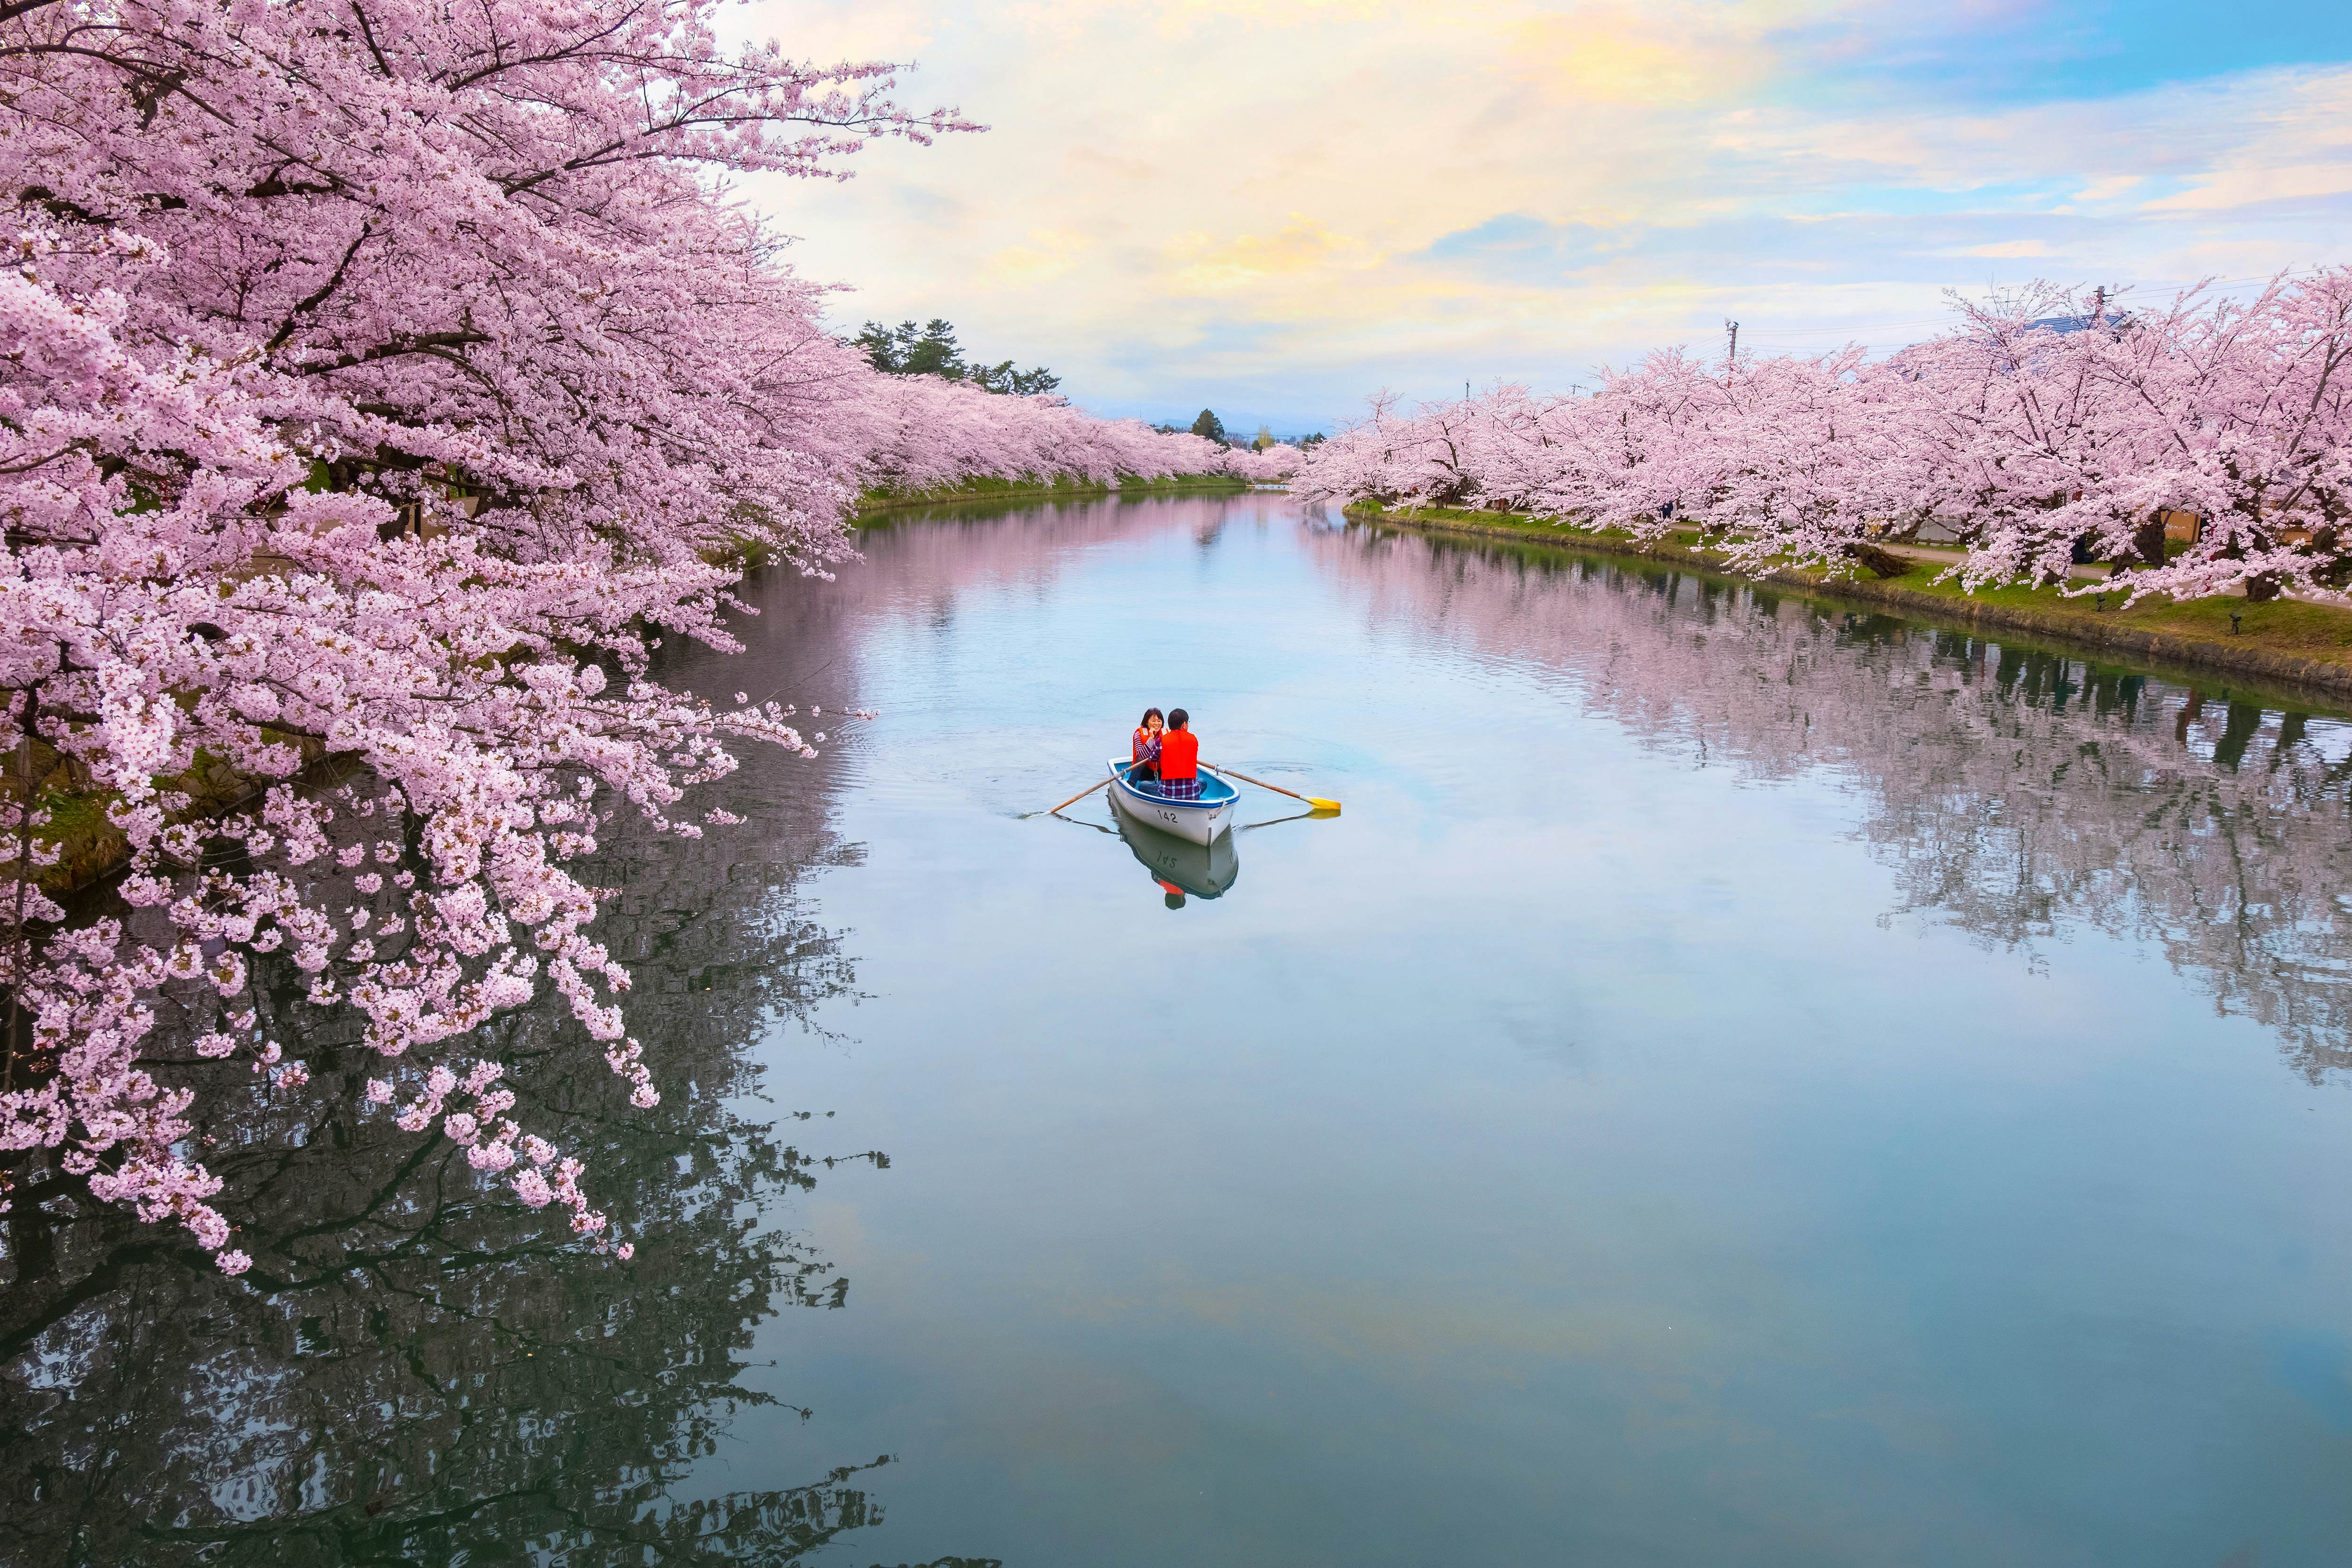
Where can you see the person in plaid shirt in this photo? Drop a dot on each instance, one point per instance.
(1180, 758)
(1146, 756)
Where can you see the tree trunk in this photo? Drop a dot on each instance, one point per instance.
(1884, 562)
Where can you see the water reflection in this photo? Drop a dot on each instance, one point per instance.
(2019, 793)
(416, 1370)
(1179, 868)
(1746, 1284)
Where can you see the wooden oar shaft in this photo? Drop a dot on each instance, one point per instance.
(1080, 795)
(1260, 783)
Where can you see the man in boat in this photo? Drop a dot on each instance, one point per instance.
(1180, 758)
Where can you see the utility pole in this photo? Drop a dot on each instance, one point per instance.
(1733, 328)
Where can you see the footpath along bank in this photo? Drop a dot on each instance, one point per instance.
(2284, 643)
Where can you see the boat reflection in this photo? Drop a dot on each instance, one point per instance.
(1179, 868)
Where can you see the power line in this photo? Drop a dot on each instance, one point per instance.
(1831, 334)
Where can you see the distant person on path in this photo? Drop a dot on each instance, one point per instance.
(1180, 758)
(1146, 756)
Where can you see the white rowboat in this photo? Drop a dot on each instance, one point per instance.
(1198, 818)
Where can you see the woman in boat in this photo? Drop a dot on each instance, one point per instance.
(1146, 755)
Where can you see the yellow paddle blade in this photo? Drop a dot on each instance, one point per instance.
(1330, 805)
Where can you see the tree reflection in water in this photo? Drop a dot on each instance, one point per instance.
(417, 1370)
(2018, 793)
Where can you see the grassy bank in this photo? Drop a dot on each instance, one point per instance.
(2284, 643)
(883, 501)
(90, 847)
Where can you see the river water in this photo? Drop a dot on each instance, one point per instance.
(1743, 1082)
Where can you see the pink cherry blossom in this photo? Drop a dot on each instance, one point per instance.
(387, 387)
(2044, 428)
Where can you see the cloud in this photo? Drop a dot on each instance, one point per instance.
(2227, 188)
(1285, 204)
(1302, 248)
(1621, 56)
(1047, 254)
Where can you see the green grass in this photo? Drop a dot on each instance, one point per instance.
(2284, 625)
(78, 825)
(1515, 521)
(982, 489)
(2317, 632)
(92, 846)
(78, 814)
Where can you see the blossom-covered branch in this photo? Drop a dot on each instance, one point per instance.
(2044, 429)
(384, 381)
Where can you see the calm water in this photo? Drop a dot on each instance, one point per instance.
(1743, 1083)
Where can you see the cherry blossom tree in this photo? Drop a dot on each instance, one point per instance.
(2241, 414)
(2044, 428)
(386, 380)
(921, 433)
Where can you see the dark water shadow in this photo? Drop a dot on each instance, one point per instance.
(416, 1369)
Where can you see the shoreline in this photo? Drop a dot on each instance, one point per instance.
(93, 850)
(2086, 629)
(877, 506)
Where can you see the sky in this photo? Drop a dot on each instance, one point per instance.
(1276, 210)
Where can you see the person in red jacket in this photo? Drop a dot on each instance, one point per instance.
(1180, 757)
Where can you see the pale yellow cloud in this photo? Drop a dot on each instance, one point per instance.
(2111, 188)
(2230, 188)
(1618, 55)
(1180, 19)
(1085, 161)
(1044, 254)
(1180, 194)
(1303, 246)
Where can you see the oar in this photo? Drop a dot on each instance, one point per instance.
(1081, 795)
(1316, 801)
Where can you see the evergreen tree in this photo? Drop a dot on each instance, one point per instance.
(1018, 383)
(932, 350)
(1209, 426)
(933, 353)
(909, 349)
